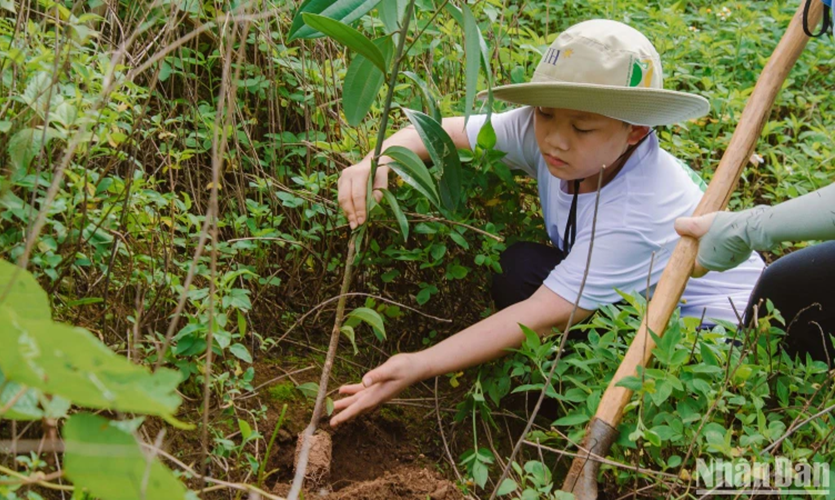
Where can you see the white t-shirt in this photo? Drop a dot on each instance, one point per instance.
(635, 218)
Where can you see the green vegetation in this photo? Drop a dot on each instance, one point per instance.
(283, 391)
(168, 173)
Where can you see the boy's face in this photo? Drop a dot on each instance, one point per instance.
(575, 144)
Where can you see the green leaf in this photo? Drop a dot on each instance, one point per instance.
(473, 55)
(346, 11)
(349, 37)
(237, 298)
(457, 271)
(507, 486)
(531, 337)
(26, 407)
(663, 389)
(457, 238)
(410, 167)
(487, 135)
(309, 389)
(674, 461)
(425, 294)
(348, 331)
(389, 276)
(573, 419)
(701, 386)
(109, 464)
(363, 82)
(458, 15)
(391, 12)
(241, 352)
(708, 356)
(246, 429)
(398, 214)
(222, 338)
(241, 323)
(630, 382)
(480, 473)
(27, 143)
(444, 155)
(25, 297)
(652, 437)
(85, 301)
(429, 99)
(72, 363)
(371, 317)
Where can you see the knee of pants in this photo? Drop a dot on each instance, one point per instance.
(799, 286)
(520, 275)
(509, 280)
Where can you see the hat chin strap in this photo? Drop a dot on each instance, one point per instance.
(570, 232)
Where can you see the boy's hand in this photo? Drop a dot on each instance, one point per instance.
(695, 227)
(378, 386)
(353, 187)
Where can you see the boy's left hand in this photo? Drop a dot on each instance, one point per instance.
(378, 386)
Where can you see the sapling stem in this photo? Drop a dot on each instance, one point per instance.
(304, 453)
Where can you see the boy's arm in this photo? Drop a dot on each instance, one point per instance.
(491, 337)
(353, 180)
(486, 340)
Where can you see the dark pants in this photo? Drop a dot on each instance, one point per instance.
(801, 286)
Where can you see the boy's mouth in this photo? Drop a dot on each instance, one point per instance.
(554, 161)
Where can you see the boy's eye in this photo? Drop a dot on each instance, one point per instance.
(582, 131)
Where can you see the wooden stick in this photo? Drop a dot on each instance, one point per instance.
(582, 478)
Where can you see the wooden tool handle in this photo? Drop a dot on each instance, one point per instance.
(673, 280)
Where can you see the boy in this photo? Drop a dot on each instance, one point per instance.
(594, 97)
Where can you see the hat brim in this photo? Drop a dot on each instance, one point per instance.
(636, 105)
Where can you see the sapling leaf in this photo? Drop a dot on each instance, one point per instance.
(444, 156)
(346, 11)
(363, 82)
(398, 213)
(347, 36)
(411, 169)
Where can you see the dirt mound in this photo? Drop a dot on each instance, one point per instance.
(386, 455)
(319, 459)
(406, 482)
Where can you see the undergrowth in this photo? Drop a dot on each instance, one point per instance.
(123, 124)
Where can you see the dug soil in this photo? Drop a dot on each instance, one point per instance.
(374, 458)
(392, 453)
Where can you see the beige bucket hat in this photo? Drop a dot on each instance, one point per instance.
(608, 68)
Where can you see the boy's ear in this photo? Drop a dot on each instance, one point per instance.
(636, 133)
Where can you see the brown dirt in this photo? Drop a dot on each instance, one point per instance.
(318, 470)
(405, 482)
(382, 455)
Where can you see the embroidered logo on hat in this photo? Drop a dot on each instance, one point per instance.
(606, 53)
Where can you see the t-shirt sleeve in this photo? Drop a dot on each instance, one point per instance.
(514, 136)
(621, 259)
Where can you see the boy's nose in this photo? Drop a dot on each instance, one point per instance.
(558, 139)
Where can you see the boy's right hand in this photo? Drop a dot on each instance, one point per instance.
(353, 187)
(379, 385)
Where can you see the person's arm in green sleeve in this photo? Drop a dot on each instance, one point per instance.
(726, 239)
